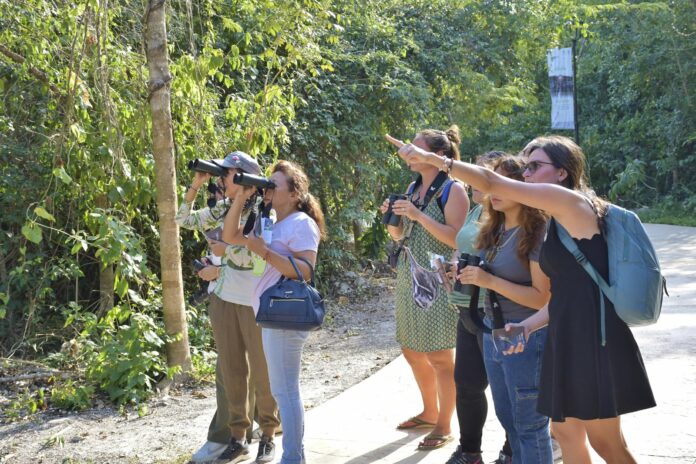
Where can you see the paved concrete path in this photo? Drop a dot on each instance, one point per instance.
(358, 426)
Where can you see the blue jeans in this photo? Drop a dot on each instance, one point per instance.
(514, 381)
(283, 349)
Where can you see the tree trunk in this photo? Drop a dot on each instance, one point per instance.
(165, 181)
(106, 274)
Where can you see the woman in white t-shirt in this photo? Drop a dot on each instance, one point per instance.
(299, 227)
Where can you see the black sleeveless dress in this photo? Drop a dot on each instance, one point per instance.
(580, 378)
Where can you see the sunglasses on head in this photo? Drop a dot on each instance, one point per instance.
(532, 166)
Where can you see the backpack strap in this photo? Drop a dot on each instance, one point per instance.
(440, 179)
(438, 182)
(442, 199)
(604, 289)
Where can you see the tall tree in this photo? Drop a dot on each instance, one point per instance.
(178, 353)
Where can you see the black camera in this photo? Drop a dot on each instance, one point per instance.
(390, 218)
(201, 296)
(209, 167)
(250, 180)
(465, 259)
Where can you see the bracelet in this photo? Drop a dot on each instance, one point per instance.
(191, 187)
(450, 164)
(444, 164)
(265, 255)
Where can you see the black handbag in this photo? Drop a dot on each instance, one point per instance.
(292, 304)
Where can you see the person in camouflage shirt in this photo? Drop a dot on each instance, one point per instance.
(241, 372)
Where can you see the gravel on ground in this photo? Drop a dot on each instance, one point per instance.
(356, 340)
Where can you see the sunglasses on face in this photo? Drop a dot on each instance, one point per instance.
(532, 166)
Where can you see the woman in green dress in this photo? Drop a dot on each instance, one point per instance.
(426, 325)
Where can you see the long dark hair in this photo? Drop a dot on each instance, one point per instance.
(299, 182)
(532, 220)
(565, 154)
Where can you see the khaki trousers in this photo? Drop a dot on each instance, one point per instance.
(241, 373)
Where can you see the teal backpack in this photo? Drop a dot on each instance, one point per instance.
(635, 282)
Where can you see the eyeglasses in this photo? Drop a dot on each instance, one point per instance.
(532, 166)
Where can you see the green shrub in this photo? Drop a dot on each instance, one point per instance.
(26, 404)
(126, 355)
(670, 211)
(71, 396)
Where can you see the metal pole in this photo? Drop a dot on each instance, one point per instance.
(575, 90)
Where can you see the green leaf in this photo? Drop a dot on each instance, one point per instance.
(62, 175)
(32, 232)
(121, 287)
(231, 25)
(40, 211)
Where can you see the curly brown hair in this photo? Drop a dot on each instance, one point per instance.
(532, 220)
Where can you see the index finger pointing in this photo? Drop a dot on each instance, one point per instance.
(396, 142)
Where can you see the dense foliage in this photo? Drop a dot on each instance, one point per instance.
(318, 81)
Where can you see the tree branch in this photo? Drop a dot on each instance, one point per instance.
(37, 73)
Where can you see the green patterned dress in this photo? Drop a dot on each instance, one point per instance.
(435, 328)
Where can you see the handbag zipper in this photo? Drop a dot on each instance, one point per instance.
(284, 299)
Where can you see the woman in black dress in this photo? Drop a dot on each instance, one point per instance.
(585, 387)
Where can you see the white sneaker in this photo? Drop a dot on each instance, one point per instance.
(208, 452)
(556, 448)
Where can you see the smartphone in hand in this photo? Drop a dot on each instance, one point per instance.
(509, 341)
(198, 265)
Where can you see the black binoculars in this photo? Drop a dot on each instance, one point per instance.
(465, 259)
(390, 218)
(208, 167)
(250, 180)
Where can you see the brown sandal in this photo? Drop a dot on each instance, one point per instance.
(414, 423)
(440, 441)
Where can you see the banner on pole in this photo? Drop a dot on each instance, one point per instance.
(560, 61)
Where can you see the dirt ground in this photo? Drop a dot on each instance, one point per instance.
(357, 340)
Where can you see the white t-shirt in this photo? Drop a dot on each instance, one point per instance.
(296, 233)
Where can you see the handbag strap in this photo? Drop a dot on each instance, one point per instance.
(297, 269)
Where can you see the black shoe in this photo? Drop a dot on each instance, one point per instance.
(460, 457)
(235, 452)
(266, 450)
(503, 459)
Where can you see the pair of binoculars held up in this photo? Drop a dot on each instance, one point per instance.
(390, 218)
(241, 178)
(208, 167)
(250, 180)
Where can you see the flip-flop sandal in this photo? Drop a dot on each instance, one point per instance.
(440, 441)
(414, 423)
